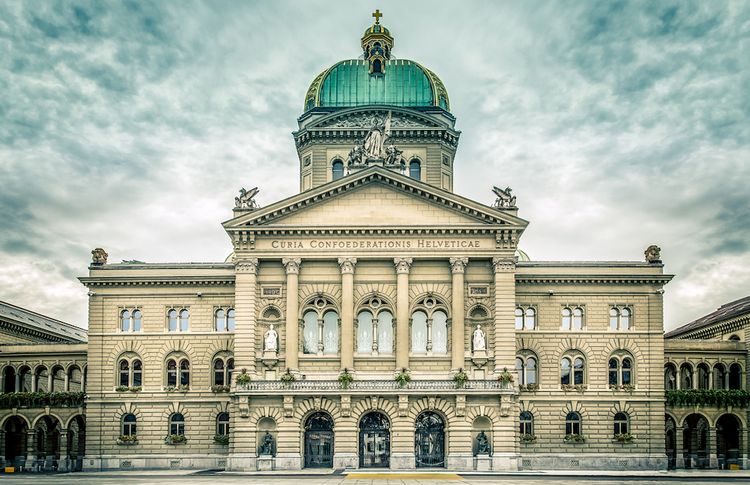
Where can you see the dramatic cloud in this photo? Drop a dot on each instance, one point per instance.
(131, 125)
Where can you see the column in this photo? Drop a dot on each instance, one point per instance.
(458, 266)
(292, 309)
(347, 312)
(30, 450)
(63, 464)
(505, 305)
(402, 311)
(713, 458)
(18, 382)
(246, 273)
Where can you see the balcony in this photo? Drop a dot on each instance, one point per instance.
(11, 400)
(381, 387)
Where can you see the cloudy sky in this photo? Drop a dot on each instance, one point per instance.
(131, 126)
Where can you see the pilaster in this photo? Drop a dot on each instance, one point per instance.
(245, 314)
(403, 265)
(505, 303)
(458, 352)
(291, 349)
(347, 312)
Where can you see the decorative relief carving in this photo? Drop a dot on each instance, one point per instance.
(244, 406)
(288, 406)
(458, 265)
(247, 266)
(504, 265)
(347, 265)
(365, 120)
(291, 265)
(403, 406)
(402, 265)
(346, 406)
(460, 405)
(505, 405)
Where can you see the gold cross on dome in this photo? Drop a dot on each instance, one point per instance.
(377, 15)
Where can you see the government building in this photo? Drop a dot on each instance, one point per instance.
(376, 319)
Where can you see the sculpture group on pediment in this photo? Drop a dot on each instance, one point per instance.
(505, 200)
(246, 199)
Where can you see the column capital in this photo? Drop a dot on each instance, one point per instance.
(402, 265)
(247, 266)
(291, 265)
(504, 265)
(458, 265)
(347, 265)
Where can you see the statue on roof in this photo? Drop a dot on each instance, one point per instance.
(246, 199)
(376, 138)
(653, 254)
(504, 198)
(99, 257)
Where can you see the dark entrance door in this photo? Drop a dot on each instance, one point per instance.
(319, 441)
(374, 441)
(429, 440)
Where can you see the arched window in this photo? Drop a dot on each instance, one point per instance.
(364, 332)
(703, 376)
(440, 332)
(171, 373)
(620, 371)
(184, 320)
(526, 366)
(419, 332)
(184, 373)
(178, 372)
(337, 169)
(125, 321)
(415, 169)
(720, 376)
(566, 318)
(220, 320)
(619, 318)
(75, 381)
(177, 424)
(222, 371)
(527, 423)
(735, 376)
(385, 332)
(25, 378)
(621, 424)
(734, 338)
(172, 320)
(230, 320)
(377, 66)
(572, 370)
(670, 377)
(686, 376)
(525, 318)
(124, 373)
(137, 319)
(374, 328)
(320, 328)
(128, 425)
(222, 424)
(137, 373)
(573, 423)
(219, 374)
(577, 318)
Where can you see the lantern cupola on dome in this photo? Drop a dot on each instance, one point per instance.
(377, 44)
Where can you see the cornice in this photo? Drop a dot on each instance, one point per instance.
(27, 332)
(94, 281)
(593, 279)
(727, 326)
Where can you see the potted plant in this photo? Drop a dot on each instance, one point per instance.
(220, 388)
(126, 440)
(529, 387)
(505, 377)
(243, 378)
(345, 378)
(175, 439)
(624, 437)
(402, 377)
(221, 439)
(122, 388)
(170, 388)
(528, 438)
(287, 378)
(460, 378)
(574, 438)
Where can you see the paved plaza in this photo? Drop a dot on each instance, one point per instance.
(355, 478)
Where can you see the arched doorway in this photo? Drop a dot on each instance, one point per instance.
(728, 440)
(670, 429)
(76, 443)
(47, 443)
(695, 441)
(319, 441)
(374, 441)
(429, 440)
(16, 432)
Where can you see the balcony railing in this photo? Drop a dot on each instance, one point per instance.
(376, 385)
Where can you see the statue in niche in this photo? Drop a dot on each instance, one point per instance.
(480, 339)
(271, 340)
(266, 447)
(483, 444)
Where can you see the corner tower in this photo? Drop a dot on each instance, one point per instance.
(376, 110)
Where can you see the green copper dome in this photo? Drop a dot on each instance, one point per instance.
(403, 83)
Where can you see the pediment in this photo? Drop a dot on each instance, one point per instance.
(376, 197)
